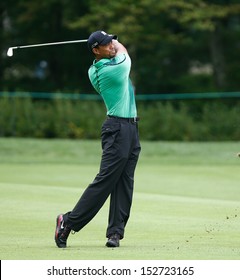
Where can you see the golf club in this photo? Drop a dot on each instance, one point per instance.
(10, 50)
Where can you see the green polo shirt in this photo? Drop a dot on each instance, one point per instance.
(110, 78)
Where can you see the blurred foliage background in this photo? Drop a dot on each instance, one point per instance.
(175, 45)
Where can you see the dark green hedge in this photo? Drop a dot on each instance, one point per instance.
(198, 120)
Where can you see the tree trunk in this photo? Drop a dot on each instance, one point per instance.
(218, 59)
(56, 29)
(1, 40)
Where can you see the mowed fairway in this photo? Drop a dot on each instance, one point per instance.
(186, 201)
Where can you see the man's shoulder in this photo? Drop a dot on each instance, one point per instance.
(118, 59)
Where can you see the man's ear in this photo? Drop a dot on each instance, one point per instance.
(95, 51)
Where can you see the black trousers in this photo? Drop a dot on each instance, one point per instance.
(120, 152)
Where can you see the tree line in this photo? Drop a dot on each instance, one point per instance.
(176, 46)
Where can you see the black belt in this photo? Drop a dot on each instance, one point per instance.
(135, 119)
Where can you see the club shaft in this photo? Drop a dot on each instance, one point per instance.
(50, 44)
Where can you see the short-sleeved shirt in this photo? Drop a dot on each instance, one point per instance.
(110, 78)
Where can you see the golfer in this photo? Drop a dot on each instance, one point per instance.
(109, 75)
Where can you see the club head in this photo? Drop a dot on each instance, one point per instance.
(10, 52)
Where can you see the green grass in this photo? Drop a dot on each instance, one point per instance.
(186, 201)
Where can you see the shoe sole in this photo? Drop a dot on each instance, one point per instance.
(58, 225)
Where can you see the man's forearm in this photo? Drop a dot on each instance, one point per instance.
(119, 47)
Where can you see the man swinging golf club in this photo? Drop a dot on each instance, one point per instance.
(109, 75)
